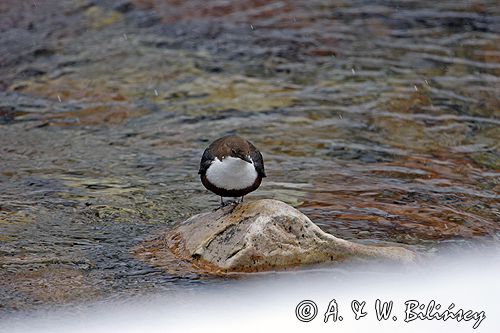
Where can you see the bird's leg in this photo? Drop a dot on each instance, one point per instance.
(242, 198)
(221, 202)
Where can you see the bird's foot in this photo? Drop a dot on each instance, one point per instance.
(227, 203)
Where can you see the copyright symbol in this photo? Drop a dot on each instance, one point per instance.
(306, 311)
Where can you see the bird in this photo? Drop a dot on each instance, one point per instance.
(231, 167)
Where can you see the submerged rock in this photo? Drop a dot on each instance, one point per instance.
(255, 236)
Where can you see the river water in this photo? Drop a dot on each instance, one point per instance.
(377, 119)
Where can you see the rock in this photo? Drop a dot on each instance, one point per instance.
(255, 236)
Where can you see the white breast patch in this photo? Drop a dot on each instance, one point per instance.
(231, 173)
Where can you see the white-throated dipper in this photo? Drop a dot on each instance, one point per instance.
(231, 167)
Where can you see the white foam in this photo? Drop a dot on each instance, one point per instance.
(267, 302)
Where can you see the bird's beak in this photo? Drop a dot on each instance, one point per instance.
(246, 158)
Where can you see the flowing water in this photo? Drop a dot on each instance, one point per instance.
(377, 119)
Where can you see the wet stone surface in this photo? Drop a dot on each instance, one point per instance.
(256, 236)
(378, 120)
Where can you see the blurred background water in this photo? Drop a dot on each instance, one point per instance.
(377, 119)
